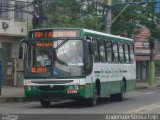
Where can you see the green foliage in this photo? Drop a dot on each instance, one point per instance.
(75, 13)
(90, 14)
(133, 17)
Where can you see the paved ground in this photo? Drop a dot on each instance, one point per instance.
(17, 93)
(145, 101)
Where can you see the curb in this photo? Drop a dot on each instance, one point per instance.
(141, 87)
(14, 99)
(147, 87)
(11, 99)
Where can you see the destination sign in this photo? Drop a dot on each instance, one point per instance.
(55, 34)
(39, 69)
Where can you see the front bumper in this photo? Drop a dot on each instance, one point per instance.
(54, 93)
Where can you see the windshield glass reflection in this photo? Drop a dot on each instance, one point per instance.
(61, 58)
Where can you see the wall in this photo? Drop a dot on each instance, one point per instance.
(11, 32)
(11, 27)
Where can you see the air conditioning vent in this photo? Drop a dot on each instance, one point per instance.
(5, 25)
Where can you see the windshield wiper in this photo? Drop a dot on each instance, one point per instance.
(75, 64)
(62, 43)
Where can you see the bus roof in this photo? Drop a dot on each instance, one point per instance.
(88, 32)
(106, 35)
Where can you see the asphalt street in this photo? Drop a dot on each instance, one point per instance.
(137, 102)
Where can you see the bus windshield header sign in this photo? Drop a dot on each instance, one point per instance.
(54, 34)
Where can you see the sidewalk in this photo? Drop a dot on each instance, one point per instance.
(143, 84)
(16, 94)
(12, 94)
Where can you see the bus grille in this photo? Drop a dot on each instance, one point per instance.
(52, 82)
(48, 88)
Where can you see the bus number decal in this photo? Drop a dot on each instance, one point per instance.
(39, 44)
(39, 69)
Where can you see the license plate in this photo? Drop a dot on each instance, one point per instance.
(71, 91)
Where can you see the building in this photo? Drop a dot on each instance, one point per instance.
(142, 51)
(14, 22)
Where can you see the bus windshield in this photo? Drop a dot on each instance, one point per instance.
(59, 58)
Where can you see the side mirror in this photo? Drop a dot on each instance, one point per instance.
(90, 45)
(20, 52)
(91, 48)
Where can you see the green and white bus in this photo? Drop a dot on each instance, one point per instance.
(77, 64)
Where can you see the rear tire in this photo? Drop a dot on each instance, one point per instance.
(121, 96)
(45, 103)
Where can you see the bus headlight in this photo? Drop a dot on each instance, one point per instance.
(29, 88)
(70, 87)
(76, 87)
(34, 87)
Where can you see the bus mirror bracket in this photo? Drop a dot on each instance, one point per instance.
(20, 52)
(91, 47)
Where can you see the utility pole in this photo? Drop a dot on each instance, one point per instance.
(109, 17)
(151, 63)
(38, 16)
(35, 20)
(151, 80)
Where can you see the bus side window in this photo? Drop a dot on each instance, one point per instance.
(109, 51)
(115, 52)
(132, 54)
(126, 53)
(96, 51)
(121, 53)
(102, 51)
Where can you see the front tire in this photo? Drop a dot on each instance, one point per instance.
(45, 103)
(93, 101)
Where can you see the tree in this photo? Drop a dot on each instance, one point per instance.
(90, 14)
(75, 13)
(135, 16)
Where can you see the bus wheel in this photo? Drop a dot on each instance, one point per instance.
(45, 103)
(93, 101)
